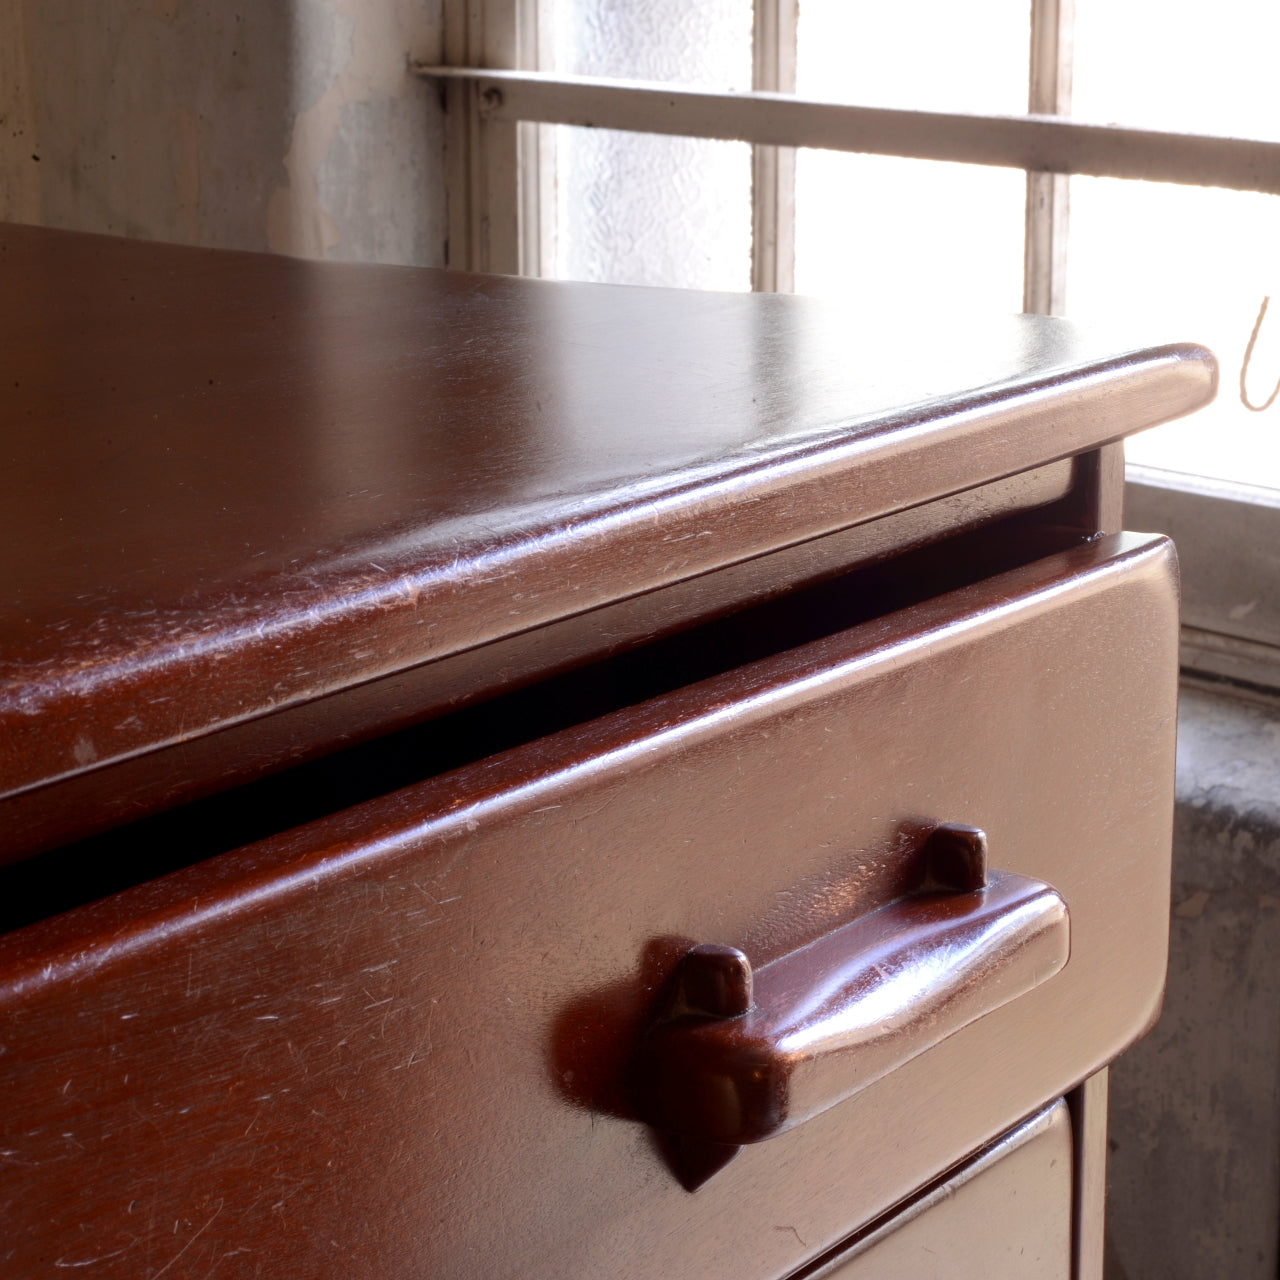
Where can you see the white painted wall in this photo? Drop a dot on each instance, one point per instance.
(283, 125)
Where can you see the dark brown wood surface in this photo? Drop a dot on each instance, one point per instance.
(124, 790)
(398, 1041)
(233, 484)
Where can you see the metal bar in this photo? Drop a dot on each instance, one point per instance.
(1044, 280)
(773, 169)
(1040, 143)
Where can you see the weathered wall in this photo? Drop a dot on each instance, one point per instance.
(288, 125)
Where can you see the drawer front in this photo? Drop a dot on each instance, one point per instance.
(1005, 1216)
(401, 1041)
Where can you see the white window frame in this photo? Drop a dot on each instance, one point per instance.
(501, 101)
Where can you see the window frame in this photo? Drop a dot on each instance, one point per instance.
(501, 106)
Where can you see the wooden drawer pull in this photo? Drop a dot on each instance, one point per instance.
(739, 1057)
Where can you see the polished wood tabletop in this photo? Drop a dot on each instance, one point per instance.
(233, 483)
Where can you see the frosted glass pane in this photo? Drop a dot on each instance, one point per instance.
(641, 209)
(1186, 262)
(907, 232)
(1202, 68)
(890, 232)
(638, 208)
(1190, 264)
(707, 42)
(927, 55)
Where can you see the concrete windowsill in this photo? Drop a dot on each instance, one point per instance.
(1194, 1151)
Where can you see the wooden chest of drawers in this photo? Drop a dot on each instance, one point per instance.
(403, 673)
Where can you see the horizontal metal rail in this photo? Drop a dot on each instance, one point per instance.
(1043, 144)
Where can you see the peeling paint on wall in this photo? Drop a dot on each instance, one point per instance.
(349, 143)
(291, 126)
(297, 221)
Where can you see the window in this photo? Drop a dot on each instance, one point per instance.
(879, 149)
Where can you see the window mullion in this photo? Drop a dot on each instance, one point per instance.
(488, 170)
(773, 169)
(1044, 285)
(536, 147)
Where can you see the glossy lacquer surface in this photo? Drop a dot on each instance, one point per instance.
(817, 1025)
(400, 1041)
(234, 483)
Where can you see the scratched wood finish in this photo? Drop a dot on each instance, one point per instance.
(396, 1042)
(125, 790)
(237, 484)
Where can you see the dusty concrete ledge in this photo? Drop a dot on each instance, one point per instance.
(1194, 1161)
